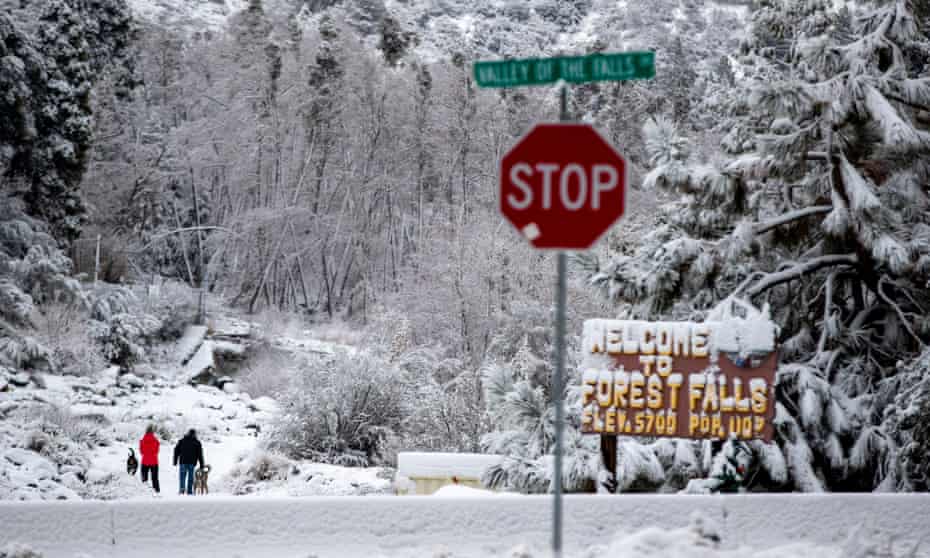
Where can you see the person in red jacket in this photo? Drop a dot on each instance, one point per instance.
(148, 447)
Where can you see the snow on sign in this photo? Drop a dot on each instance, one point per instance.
(710, 380)
(562, 186)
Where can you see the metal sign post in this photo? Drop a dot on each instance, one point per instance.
(558, 376)
(591, 179)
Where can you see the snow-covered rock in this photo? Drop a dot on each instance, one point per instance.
(132, 380)
(264, 404)
(21, 379)
(190, 342)
(200, 365)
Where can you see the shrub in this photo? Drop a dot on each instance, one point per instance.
(260, 466)
(341, 410)
(62, 328)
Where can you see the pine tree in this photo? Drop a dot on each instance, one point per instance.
(50, 77)
(823, 215)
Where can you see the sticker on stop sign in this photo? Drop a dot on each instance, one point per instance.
(563, 186)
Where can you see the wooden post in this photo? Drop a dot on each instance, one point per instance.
(609, 457)
(97, 262)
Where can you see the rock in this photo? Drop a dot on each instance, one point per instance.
(110, 375)
(19, 456)
(6, 407)
(37, 466)
(132, 381)
(97, 476)
(72, 481)
(20, 380)
(4, 384)
(231, 387)
(220, 382)
(264, 404)
(145, 372)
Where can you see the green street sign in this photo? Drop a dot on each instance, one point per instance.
(620, 66)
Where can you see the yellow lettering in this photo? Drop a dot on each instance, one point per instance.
(610, 421)
(647, 362)
(696, 395)
(726, 403)
(759, 425)
(693, 424)
(699, 333)
(621, 386)
(587, 391)
(636, 393)
(603, 392)
(630, 344)
(673, 383)
(705, 424)
(759, 400)
(647, 333)
(664, 365)
(711, 401)
(664, 339)
(586, 418)
(715, 425)
(655, 393)
(614, 342)
(671, 424)
(746, 431)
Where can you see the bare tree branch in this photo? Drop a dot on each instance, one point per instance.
(792, 216)
(897, 310)
(799, 270)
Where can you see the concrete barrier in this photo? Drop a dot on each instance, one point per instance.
(342, 527)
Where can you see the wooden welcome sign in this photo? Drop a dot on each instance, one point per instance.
(710, 380)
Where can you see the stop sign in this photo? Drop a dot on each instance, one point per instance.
(562, 186)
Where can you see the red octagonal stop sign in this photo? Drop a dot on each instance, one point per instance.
(562, 186)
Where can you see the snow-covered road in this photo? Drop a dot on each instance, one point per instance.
(347, 527)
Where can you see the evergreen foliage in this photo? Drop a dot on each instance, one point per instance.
(46, 110)
(821, 213)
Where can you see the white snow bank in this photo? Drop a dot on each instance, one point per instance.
(444, 465)
(349, 527)
(461, 491)
(199, 363)
(191, 341)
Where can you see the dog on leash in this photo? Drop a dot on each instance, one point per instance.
(132, 465)
(200, 480)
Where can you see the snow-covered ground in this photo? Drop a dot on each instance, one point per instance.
(68, 437)
(472, 525)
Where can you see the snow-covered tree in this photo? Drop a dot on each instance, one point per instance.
(822, 213)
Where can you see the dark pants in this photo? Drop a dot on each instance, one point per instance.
(145, 476)
(186, 472)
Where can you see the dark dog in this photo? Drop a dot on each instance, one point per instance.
(132, 465)
(200, 480)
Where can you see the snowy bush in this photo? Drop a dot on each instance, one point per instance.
(443, 403)
(63, 329)
(340, 410)
(266, 371)
(517, 396)
(125, 336)
(258, 467)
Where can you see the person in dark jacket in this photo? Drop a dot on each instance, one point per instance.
(148, 447)
(187, 453)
